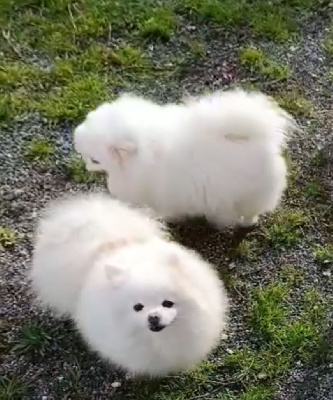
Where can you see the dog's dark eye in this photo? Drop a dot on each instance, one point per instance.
(94, 161)
(138, 307)
(167, 303)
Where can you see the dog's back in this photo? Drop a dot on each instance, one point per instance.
(226, 161)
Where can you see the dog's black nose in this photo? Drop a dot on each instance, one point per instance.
(154, 320)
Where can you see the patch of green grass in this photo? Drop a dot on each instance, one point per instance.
(254, 60)
(320, 158)
(33, 340)
(260, 366)
(184, 386)
(77, 171)
(251, 393)
(160, 25)
(17, 74)
(328, 43)
(295, 104)
(246, 250)
(291, 276)
(74, 100)
(197, 48)
(12, 105)
(71, 386)
(39, 150)
(274, 71)
(251, 57)
(268, 311)
(286, 228)
(314, 307)
(19, 83)
(284, 338)
(272, 22)
(224, 14)
(8, 237)
(315, 189)
(264, 19)
(13, 388)
(305, 5)
(271, 318)
(257, 393)
(324, 254)
(95, 59)
(130, 57)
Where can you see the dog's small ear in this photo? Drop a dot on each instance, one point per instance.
(114, 274)
(121, 152)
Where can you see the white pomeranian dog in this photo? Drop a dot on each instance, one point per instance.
(218, 156)
(140, 300)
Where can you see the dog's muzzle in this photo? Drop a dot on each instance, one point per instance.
(154, 323)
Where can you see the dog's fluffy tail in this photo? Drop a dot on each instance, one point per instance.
(239, 115)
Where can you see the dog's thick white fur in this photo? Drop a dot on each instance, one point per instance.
(142, 301)
(217, 156)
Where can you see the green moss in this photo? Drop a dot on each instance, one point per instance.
(328, 43)
(295, 104)
(160, 25)
(320, 158)
(251, 57)
(286, 228)
(291, 276)
(224, 14)
(8, 237)
(74, 100)
(272, 22)
(251, 366)
(128, 56)
(254, 60)
(274, 71)
(284, 337)
(257, 393)
(76, 170)
(271, 318)
(17, 74)
(46, 34)
(268, 312)
(184, 386)
(246, 250)
(324, 254)
(12, 105)
(305, 5)
(263, 18)
(252, 392)
(197, 48)
(39, 150)
(315, 190)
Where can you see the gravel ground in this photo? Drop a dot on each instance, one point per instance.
(26, 187)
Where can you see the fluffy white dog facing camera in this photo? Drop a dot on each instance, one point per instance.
(219, 155)
(147, 304)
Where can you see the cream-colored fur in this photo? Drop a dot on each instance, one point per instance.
(99, 261)
(218, 155)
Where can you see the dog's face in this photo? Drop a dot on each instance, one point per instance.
(88, 147)
(104, 139)
(147, 297)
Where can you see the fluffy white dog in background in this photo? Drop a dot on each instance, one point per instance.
(143, 302)
(218, 155)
